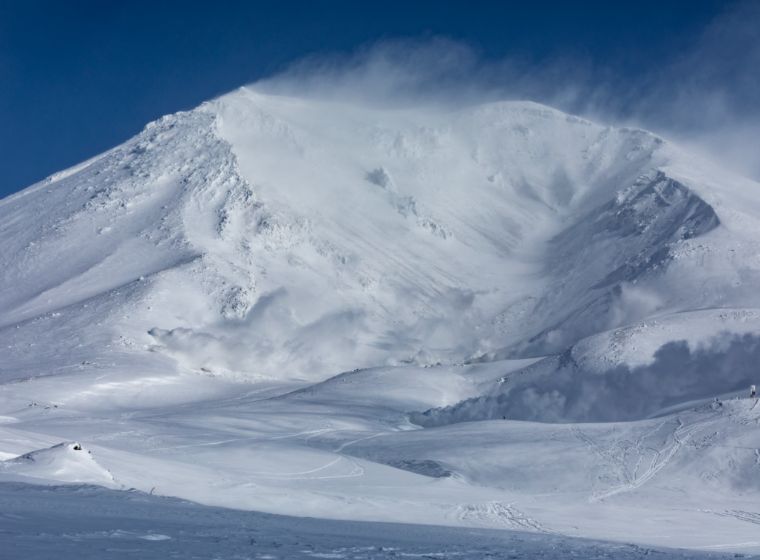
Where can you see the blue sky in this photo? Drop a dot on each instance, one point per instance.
(79, 77)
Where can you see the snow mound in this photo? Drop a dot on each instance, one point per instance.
(66, 462)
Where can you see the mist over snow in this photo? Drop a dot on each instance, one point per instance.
(410, 286)
(702, 95)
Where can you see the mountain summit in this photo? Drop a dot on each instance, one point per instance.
(271, 237)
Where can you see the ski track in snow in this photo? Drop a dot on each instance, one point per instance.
(499, 514)
(748, 516)
(661, 457)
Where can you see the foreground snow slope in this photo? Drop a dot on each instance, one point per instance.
(497, 316)
(134, 525)
(345, 449)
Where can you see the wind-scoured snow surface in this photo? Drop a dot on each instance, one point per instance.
(494, 317)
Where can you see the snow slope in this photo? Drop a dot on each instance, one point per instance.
(496, 316)
(134, 525)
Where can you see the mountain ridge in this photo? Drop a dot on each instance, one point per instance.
(533, 228)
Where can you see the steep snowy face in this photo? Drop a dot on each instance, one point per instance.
(624, 242)
(261, 236)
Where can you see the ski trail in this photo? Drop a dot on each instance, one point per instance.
(342, 446)
(741, 515)
(309, 433)
(661, 458)
(356, 468)
(498, 514)
(356, 471)
(203, 444)
(605, 455)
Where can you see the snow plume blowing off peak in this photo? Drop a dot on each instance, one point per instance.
(702, 94)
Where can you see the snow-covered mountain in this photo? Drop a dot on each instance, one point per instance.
(288, 290)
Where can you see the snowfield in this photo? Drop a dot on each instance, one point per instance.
(92, 523)
(506, 320)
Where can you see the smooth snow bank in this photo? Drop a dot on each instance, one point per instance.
(65, 462)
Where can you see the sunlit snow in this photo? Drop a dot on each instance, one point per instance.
(499, 317)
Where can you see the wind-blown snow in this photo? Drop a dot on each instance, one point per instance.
(497, 316)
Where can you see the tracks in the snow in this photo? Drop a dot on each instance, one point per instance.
(655, 459)
(499, 514)
(741, 515)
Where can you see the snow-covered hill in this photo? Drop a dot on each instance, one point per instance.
(313, 308)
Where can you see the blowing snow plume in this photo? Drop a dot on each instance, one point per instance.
(702, 93)
(563, 390)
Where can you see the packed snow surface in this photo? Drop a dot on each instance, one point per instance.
(493, 317)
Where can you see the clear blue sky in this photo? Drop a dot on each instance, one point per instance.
(78, 77)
